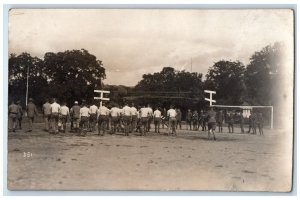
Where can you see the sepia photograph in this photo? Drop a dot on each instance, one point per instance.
(150, 100)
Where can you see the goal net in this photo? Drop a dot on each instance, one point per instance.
(266, 111)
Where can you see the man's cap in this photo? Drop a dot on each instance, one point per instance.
(76, 102)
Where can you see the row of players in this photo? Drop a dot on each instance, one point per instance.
(126, 119)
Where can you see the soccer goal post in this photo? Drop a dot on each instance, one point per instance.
(266, 110)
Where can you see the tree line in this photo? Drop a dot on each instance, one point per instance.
(68, 76)
(74, 74)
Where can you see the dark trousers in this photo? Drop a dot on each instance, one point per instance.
(102, 124)
(203, 124)
(172, 125)
(114, 124)
(84, 124)
(54, 122)
(242, 127)
(260, 128)
(63, 119)
(127, 122)
(149, 124)
(178, 122)
(144, 121)
(93, 121)
(230, 127)
(254, 128)
(12, 123)
(195, 125)
(220, 125)
(188, 124)
(133, 123)
(157, 124)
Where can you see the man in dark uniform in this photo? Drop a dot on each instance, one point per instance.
(260, 123)
(250, 122)
(12, 113)
(178, 118)
(195, 117)
(20, 115)
(242, 120)
(204, 121)
(31, 113)
(220, 120)
(164, 117)
(189, 119)
(254, 122)
(230, 122)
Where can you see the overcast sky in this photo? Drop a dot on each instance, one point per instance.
(134, 42)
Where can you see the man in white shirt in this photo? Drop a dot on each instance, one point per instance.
(149, 118)
(114, 114)
(126, 115)
(172, 119)
(134, 118)
(93, 117)
(103, 113)
(144, 114)
(64, 115)
(84, 118)
(55, 109)
(157, 119)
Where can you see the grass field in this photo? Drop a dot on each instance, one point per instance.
(188, 161)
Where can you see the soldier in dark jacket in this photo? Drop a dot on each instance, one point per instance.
(189, 119)
(230, 119)
(31, 113)
(242, 120)
(20, 115)
(260, 123)
(12, 114)
(254, 122)
(195, 120)
(250, 122)
(178, 118)
(203, 120)
(220, 120)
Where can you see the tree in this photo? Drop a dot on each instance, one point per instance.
(19, 66)
(73, 75)
(266, 80)
(184, 89)
(69, 75)
(226, 78)
(262, 75)
(170, 80)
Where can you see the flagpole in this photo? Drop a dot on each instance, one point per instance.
(27, 85)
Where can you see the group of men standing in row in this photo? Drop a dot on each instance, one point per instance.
(15, 114)
(125, 119)
(196, 120)
(85, 118)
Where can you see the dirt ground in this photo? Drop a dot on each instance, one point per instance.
(188, 161)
